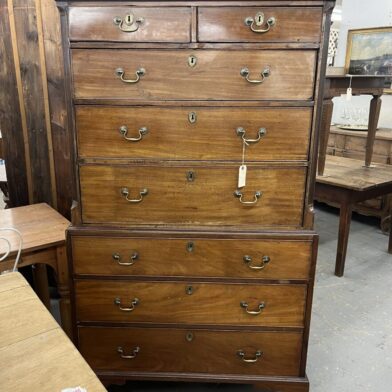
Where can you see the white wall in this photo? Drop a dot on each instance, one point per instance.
(357, 14)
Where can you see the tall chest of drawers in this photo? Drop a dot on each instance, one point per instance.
(194, 125)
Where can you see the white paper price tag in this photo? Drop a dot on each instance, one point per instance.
(349, 94)
(242, 176)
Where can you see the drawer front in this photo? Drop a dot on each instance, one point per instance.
(192, 195)
(194, 133)
(130, 24)
(196, 351)
(167, 75)
(242, 258)
(259, 24)
(190, 303)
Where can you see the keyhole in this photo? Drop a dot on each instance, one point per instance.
(129, 19)
(192, 60)
(192, 117)
(259, 19)
(190, 176)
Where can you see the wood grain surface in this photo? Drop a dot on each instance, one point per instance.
(212, 137)
(209, 304)
(227, 24)
(352, 174)
(32, 345)
(207, 257)
(208, 200)
(161, 24)
(168, 350)
(216, 75)
(44, 227)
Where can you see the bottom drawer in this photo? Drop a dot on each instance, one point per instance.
(196, 351)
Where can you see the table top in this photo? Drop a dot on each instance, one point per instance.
(352, 174)
(381, 134)
(35, 353)
(41, 227)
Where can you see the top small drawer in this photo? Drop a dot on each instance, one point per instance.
(130, 24)
(259, 24)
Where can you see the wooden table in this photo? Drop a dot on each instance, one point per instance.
(336, 85)
(43, 231)
(346, 182)
(35, 354)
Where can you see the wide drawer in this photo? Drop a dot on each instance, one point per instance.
(197, 257)
(190, 303)
(196, 351)
(217, 75)
(259, 24)
(130, 24)
(192, 195)
(194, 133)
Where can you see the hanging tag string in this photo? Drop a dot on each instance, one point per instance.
(243, 152)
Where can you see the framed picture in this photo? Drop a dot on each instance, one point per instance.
(369, 52)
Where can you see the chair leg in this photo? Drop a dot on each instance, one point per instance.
(344, 230)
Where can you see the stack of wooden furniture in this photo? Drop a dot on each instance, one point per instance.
(178, 273)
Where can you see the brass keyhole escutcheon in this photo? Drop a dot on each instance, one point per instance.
(192, 61)
(192, 117)
(129, 19)
(190, 176)
(190, 246)
(189, 290)
(189, 336)
(259, 19)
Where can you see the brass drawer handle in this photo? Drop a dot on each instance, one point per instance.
(245, 306)
(239, 195)
(134, 352)
(264, 261)
(125, 193)
(124, 131)
(243, 357)
(264, 74)
(139, 73)
(258, 21)
(240, 131)
(134, 302)
(128, 24)
(117, 258)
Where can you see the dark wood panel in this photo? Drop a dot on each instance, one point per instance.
(30, 68)
(171, 24)
(202, 351)
(192, 257)
(216, 75)
(208, 303)
(212, 136)
(208, 199)
(227, 24)
(57, 104)
(10, 117)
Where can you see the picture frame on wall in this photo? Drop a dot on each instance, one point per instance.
(369, 52)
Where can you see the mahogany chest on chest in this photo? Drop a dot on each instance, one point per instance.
(194, 125)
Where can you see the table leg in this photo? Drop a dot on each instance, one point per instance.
(324, 134)
(64, 290)
(374, 114)
(40, 277)
(390, 234)
(344, 230)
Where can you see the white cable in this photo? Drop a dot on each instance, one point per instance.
(9, 245)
